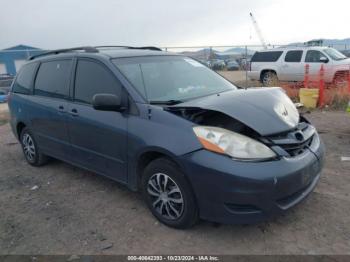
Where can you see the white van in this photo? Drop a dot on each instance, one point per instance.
(288, 64)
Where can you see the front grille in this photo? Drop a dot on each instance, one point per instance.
(297, 148)
(295, 142)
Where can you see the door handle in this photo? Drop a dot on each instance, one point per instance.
(61, 109)
(74, 112)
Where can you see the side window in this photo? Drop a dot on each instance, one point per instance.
(52, 79)
(293, 56)
(23, 84)
(271, 56)
(93, 78)
(313, 56)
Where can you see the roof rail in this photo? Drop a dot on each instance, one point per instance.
(87, 49)
(130, 47)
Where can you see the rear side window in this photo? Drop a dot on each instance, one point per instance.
(272, 56)
(52, 79)
(293, 56)
(93, 78)
(23, 83)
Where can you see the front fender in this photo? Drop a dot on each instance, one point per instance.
(161, 132)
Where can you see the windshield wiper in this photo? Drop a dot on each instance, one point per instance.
(166, 102)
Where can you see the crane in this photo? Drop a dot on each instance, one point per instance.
(258, 31)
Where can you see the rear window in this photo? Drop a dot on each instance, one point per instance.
(53, 78)
(272, 56)
(23, 83)
(293, 56)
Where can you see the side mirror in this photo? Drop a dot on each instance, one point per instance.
(107, 102)
(324, 59)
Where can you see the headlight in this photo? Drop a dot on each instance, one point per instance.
(238, 146)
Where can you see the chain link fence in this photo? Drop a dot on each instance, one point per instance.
(231, 61)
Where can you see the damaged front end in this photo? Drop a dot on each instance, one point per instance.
(286, 144)
(294, 142)
(275, 123)
(207, 117)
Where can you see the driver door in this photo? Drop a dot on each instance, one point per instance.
(98, 138)
(314, 59)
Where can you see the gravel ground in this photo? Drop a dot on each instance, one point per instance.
(61, 209)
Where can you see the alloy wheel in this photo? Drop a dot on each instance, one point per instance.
(28, 147)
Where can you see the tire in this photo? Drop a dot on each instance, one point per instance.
(269, 78)
(340, 80)
(30, 149)
(177, 209)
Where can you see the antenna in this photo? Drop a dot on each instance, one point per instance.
(258, 31)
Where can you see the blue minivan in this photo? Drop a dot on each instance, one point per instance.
(194, 144)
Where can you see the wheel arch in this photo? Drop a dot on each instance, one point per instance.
(19, 127)
(341, 73)
(146, 157)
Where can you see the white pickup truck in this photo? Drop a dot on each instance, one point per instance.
(288, 64)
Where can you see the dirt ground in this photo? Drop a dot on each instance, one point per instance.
(4, 116)
(61, 209)
(239, 78)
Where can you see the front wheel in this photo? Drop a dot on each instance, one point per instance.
(340, 80)
(168, 194)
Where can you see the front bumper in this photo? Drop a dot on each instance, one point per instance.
(229, 191)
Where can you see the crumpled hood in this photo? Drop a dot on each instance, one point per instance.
(266, 110)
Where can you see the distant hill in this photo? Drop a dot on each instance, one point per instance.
(201, 54)
(204, 53)
(239, 50)
(336, 43)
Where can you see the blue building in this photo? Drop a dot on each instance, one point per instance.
(11, 59)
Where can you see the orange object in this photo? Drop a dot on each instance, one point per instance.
(321, 87)
(210, 146)
(306, 76)
(349, 80)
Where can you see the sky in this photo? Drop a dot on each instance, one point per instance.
(52, 24)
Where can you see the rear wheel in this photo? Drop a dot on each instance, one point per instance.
(30, 149)
(269, 78)
(168, 194)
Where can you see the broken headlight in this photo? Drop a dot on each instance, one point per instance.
(235, 145)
